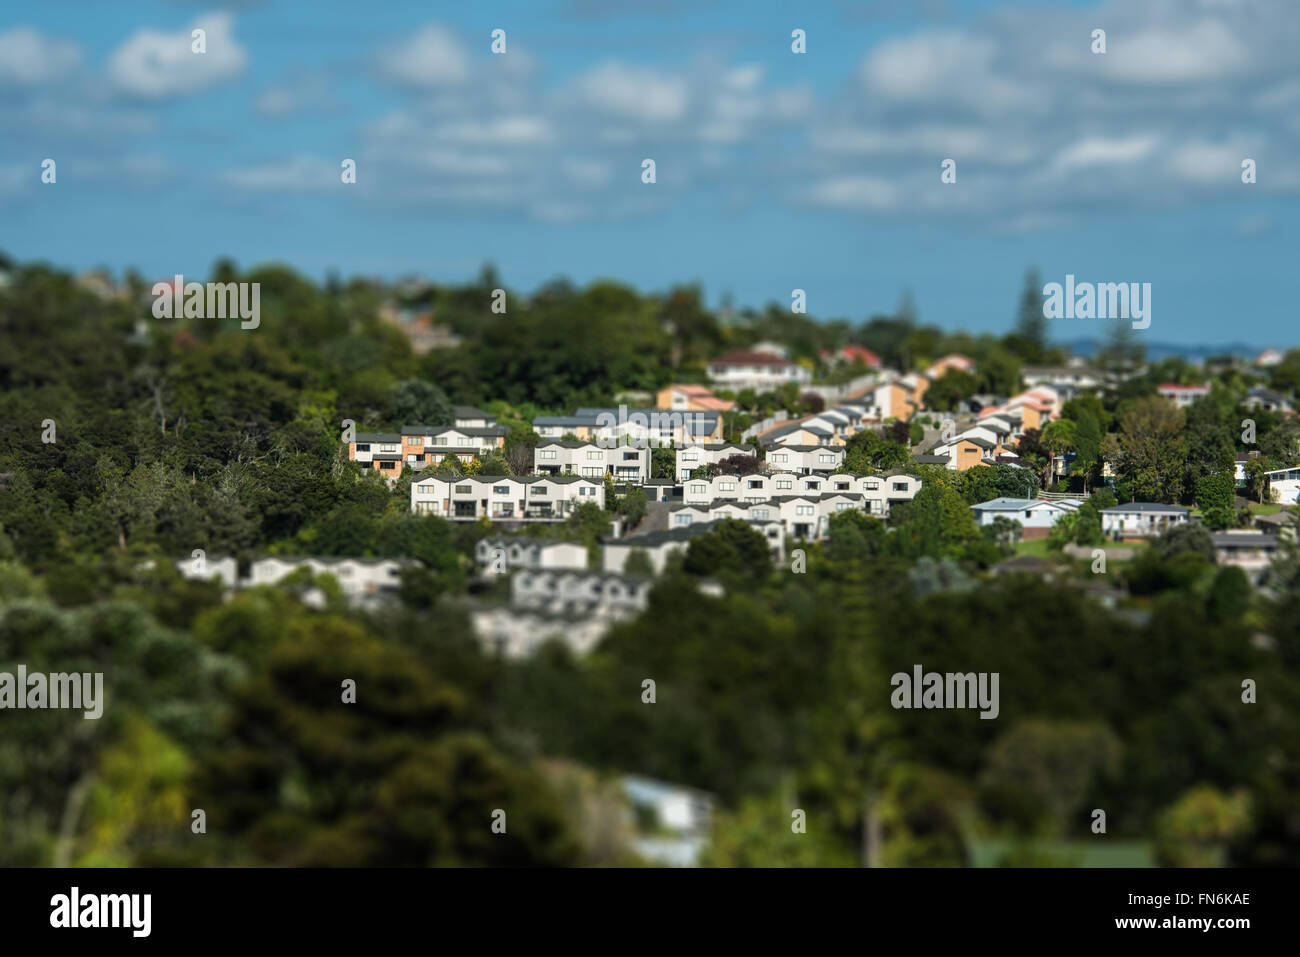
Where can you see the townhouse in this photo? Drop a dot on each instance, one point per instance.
(976, 445)
(625, 463)
(693, 457)
(757, 370)
(532, 498)
(364, 582)
(1268, 400)
(851, 355)
(1079, 378)
(952, 361)
(474, 433)
(1249, 550)
(805, 459)
(653, 428)
(498, 555)
(659, 546)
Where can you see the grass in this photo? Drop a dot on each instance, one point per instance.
(1033, 546)
(1259, 509)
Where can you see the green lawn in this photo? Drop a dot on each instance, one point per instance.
(1033, 546)
(1259, 509)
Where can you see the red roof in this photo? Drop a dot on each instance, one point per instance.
(1172, 387)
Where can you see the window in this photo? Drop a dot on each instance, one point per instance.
(464, 489)
(814, 486)
(804, 510)
(826, 459)
(387, 466)
(699, 490)
(686, 456)
(900, 486)
(755, 483)
(784, 484)
(388, 447)
(681, 519)
(631, 456)
(539, 490)
(363, 447)
(548, 453)
(500, 489)
(595, 456)
(726, 486)
(762, 513)
(778, 458)
(592, 471)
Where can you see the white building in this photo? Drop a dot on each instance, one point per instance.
(363, 581)
(760, 371)
(625, 463)
(499, 555)
(1183, 395)
(1284, 485)
(1036, 516)
(805, 459)
(1142, 519)
(505, 497)
(693, 457)
(659, 546)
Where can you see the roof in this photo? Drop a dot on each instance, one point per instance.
(1244, 540)
(1005, 504)
(1146, 507)
(525, 479)
(470, 412)
(808, 448)
(378, 437)
(1174, 387)
(749, 358)
(931, 459)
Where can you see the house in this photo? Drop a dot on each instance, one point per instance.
(674, 821)
(1142, 519)
(421, 445)
(469, 417)
(850, 355)
(651, 428)
(1269, 357)
(1081, 378)
(1282, 524)
(511, 498)
(1251, 551)
(662, 490)
(804, 431)
(948, 363)
(626, 463)
(1268, 400)
(805, 459)
(1182, 395)
(753, 369)
(381, 451)
(659, 546)
(364, 582)
(498, 555)
(694, 398)
(1036, 516)
(1283, 485)
(693, 457)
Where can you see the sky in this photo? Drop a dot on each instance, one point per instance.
(774, 170)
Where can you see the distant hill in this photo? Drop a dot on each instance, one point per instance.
(1163, 350)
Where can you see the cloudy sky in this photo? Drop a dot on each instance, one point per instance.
(775, 170)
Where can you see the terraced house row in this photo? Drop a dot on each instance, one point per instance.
(472, 433)
(536, 498)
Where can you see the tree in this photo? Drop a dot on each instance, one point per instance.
(1030, 336)
(1087, 445)
(732, 546)
(1153, 449)
(417, 402)
(937, 523)
(1216, 497)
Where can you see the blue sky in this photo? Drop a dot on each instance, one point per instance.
(775, 171)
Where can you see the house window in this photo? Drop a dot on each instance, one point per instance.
(548, 453)
(630, 456)
(363, 447)
(681, 520)
(540, 490)
(501, 490)
(595, 456)
(755, 483)
(900, 486)
(686, 456)
(803, 509)
(814, 486)
(699, 489)
(464, 489)
(784, 484)
(388, 447)
(762, 513)
(826, 459)
(726, 486)
(387, 466)
(591, 471)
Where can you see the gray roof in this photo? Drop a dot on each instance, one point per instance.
(809, 448)
(1146, 507)
(367, 437)
(1244, 540)
(526, 479)
(1006, 504)
(931, 459)
(471, 412)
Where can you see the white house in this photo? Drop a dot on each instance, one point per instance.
(693, 457)
(806, 459)
(760, 371)
(1035, 516)
(363, 581)
(505, 497)
(625, 463)
(1142, 519)
(1250, 551)
(1183, 395)
(1284, 485)
(680, 820)
(498, 555)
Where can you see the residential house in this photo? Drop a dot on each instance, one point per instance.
(1283, 485)
(805, 459)
(626, 463)
(1251, 551)
(652, 428)
(760, 371)
(693, 398)
(949, 362)
(851, 354)
(693, 457)
(1142, 519)
(505, 498)
(364, 582)
(659, 546)
(1182, 395)
(1080, 378)
(1036, 516)
(498, 555)
(676, 821)
(1268, 400)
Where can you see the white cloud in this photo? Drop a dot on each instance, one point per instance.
(634, 92)
(1175, 53)
(433, 57)
(28, 58)
(154, 65)
(1104, 151)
